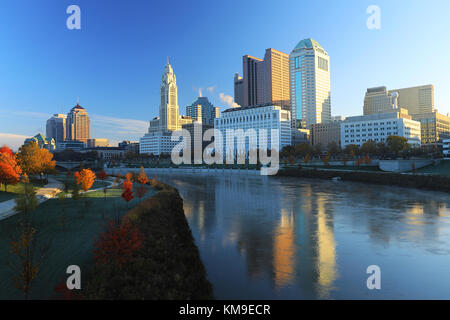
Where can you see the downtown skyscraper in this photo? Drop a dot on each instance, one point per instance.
(56, 128)
(168, 109)
(265, 81)
(310, 83)
(78, 125)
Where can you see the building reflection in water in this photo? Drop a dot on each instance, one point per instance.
(283, 231)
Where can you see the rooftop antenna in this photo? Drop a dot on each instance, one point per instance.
(168, 60)
(78, 100)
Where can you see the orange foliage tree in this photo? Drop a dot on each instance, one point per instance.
(127, 194)
(9, 169)
(34, 160)
(85, 178)
(142, 178)
(118, 244)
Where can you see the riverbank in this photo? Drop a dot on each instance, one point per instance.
(429, 182)
(168, 267)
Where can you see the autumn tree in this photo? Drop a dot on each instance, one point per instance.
(397, 144)
(9, 169)
(118, 244)
(127, 194)
(142, 178)
(306, 158)
(26, 254)
(129, 176)
(85, 178)
(102, 175)
(35, 161)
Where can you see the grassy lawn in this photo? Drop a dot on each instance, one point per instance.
(13, 191)
(71, 241)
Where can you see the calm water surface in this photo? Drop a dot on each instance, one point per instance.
(290, 238)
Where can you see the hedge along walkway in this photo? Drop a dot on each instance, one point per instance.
(43, 194)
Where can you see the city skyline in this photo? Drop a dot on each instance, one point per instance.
(117, 85)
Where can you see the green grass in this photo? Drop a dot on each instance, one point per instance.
(71, 244)
(442, 168)
(13, 191)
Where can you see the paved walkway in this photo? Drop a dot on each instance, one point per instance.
(48, 191)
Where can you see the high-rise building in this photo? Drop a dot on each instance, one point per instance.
(276, 78)
(158, 139)
(78, 125)
(434, 126)
(168, 109)
(202, 110)
(379, 100)
(265, 81)
(253, 81)
(416, 100)
(238, 89)
(310, 83)
(56, 127)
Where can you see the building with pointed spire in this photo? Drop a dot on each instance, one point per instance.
(158, 139)
(168, 109)
(78, 125)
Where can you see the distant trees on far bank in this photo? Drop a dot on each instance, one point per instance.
(394, 147)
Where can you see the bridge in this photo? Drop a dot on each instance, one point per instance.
(68, 165)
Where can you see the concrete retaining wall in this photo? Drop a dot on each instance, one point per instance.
(403, 165)
(158, 171)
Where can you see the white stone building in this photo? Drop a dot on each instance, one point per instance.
(256, 118)
(377, 127)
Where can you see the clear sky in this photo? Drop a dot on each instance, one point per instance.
(115, 62)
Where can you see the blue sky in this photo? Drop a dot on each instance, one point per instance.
(115, 62)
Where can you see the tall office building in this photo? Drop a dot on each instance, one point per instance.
(265, 81)
(276, 78)
(238, 89)
(310, 83)
(168, 109)
(417, 100)
(202, 110)
(158, 139)
(56, 127)
(253, 81)
(379, 100)
(78, 125)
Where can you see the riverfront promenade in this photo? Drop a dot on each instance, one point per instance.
(43, 194)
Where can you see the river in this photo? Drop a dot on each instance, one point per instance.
(289, 238)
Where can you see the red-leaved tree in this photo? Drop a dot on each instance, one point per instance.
(9, 169)
(118, 244)
(102, 175)
(127, 194)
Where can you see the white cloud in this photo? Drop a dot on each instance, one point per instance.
(229, 100)
(14, 141)
(118, 129)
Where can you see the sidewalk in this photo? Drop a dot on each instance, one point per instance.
(48, 191)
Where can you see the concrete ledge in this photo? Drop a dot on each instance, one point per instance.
(153, 171)
(403, 165)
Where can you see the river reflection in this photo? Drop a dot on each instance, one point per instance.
(271, 238)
